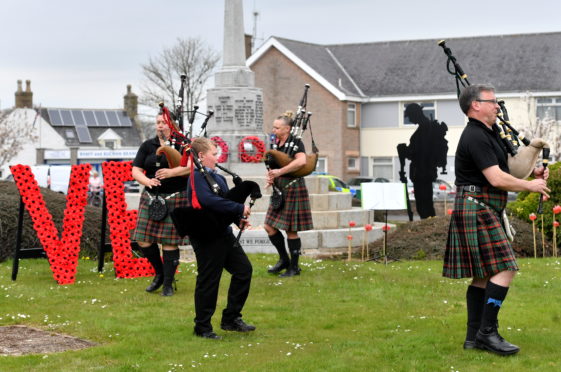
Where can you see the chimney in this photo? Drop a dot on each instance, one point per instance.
(24, 99)
(131, 103)
(248, 39)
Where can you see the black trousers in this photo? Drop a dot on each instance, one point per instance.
(214, 255)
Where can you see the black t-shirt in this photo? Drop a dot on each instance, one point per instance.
(146, 159)
(479, 148)
(297, 143)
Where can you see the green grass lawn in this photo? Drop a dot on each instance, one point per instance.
(336, 316)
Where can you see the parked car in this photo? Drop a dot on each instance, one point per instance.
(336, 184)
(132, 186)
(437, 193)
(354, 184)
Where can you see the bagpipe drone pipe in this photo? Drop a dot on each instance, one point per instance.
(277, 159)
(521, 161)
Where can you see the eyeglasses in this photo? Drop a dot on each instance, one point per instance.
(494, 101)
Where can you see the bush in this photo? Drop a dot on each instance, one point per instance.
(527, 203)
(56, 203)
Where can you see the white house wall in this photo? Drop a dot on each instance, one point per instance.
(382, 128)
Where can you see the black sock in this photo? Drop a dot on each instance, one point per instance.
(494, 297)
(278, 241)
(475, 299)
(294, 245)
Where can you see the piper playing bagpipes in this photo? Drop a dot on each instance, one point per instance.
(165, 189)
(478, 244)
(289, 208)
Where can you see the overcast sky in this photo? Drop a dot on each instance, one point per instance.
(83, 53)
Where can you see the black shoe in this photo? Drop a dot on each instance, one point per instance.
(469, 344)
(491, 340)
(292, 271)
(237, 325)
(211, 335)
(167, 290)
(279, 266)
(156, 283)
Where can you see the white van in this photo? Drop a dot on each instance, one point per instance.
(57, 176)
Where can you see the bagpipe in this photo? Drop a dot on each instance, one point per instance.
(194, 220)
(521, 162)
(275, 158)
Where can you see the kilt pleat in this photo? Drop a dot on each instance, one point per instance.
(477, 244)
(162, 232)
(296, 213)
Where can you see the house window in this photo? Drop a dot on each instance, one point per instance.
(110, 144)
(428, 111)
(353, 164)
(351, 115)
(548, 108)
(382, 168)
(321, 166)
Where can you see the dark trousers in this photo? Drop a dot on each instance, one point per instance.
(423, 199)
(214, 255)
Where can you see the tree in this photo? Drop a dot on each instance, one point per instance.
(190, 57)
(545, 128)
(17, 128)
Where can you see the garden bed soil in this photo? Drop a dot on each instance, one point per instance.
(21, 340)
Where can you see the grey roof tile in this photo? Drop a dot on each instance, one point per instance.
(512, 63)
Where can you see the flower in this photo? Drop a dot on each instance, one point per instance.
(368, 227)
(352, 223)
(533, 216)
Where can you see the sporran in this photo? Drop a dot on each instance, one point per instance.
(157, 208)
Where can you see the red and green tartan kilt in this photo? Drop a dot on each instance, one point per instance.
(296, 214)
(162, 232)
(477, 244)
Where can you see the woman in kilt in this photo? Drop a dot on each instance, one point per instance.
(295, 214)
(477, 245)
(152, 171)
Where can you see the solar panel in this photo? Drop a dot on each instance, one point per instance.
(124, 119)
(78, 117)
(67, 120)
(101, 119)
(84, 134)
(90, 118)
(112, 119)
(54, 115)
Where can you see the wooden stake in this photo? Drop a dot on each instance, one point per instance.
(543, 240)
(534, 233)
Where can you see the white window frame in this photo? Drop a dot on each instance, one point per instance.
(321, 159)
(429, 109)
(382, 161)
(351, 112)
(356, 165)
(548, 107)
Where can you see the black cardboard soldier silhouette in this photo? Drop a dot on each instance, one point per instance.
(427, 150)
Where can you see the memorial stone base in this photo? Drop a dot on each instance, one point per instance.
(331, 213)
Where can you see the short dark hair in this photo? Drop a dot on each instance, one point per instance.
(472, 93)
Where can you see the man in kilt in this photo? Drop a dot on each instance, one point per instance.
(477, 245)
(295, 213)
(153, 172)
